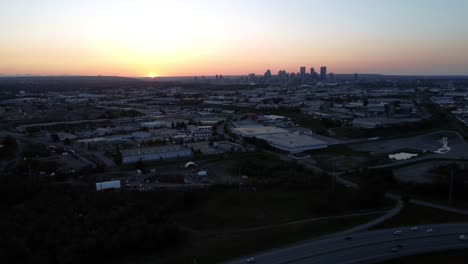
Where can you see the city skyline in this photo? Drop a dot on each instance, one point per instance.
(186, 38)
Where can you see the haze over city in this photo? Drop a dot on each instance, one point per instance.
(189, 38)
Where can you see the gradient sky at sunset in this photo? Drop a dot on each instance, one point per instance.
(205, 37)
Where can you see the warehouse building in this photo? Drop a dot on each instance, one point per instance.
(155, 153)
(254, 131)
(293, 143)
(280, 138)
(155, 124)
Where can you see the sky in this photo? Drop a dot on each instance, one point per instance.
(232, 37)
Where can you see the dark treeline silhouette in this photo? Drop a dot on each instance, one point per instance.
(55, 223)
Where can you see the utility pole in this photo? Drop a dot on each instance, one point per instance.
(240, 179)
(333, 178)
(451, 186)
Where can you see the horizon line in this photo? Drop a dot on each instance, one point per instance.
(214, 75)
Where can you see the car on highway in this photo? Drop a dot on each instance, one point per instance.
(429, 230)
(463, 237)
(398, 232)
(414, 228)
(395, 249)
(250, 260)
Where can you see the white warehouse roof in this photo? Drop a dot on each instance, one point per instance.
(258, 130)
(293, 143)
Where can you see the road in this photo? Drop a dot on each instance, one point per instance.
(368, 247)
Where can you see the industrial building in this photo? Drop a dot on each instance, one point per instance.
(254, 131)
(293, 143)
(155, 153)
(280, 138)
(382, 122)
(108, 185)
(155, 124)
(201, 132)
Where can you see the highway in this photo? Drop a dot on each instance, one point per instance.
(367, 247)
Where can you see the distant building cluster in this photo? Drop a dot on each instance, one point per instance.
(289, 78)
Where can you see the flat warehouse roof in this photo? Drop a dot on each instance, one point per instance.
(292, 140)
(258, 130)
(154, 150)
(275, 117)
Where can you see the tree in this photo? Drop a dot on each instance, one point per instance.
(406, 199)
(387, 110)
(9, 146)
(9, 143)
(118, 159)
(55, 137)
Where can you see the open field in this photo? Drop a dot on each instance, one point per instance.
(421, 171)
(448, 257)
(443, 200)
(418, 215)
(232, 209)
(220, 247)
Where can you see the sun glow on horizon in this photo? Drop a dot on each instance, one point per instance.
(195, 38)
(152, 75)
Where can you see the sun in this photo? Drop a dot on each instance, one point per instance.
(152, 75)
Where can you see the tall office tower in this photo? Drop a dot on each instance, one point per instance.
(312, 72)
(267, 75)
(282, 75)
(323, 73)
(303, 73)
(252, 77)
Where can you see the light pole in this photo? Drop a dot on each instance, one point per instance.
(451, 186)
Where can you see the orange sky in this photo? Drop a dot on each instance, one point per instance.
(181, 38)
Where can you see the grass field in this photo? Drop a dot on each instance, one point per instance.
(419, 215)
(233, 209)
(229, 224)
(443, 200)
(215, 248)
(448, 257)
